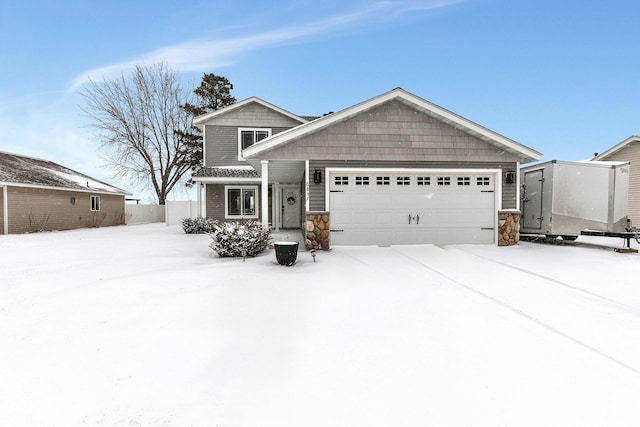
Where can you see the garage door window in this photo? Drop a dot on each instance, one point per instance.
(241, 202)
(362, 180)
(444, 180)
(403, 180)
(424, 180)
(341, 180)
(483, 180)
(382, 180)
(464, 180)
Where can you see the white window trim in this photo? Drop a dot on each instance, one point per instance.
(91, 203)
(241, 188)
(240, 130)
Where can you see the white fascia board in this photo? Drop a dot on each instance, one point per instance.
(618, 147)
(78, 190)
(397, 93)
(414, 170)
(201, 120)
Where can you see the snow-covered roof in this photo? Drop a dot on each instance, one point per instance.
(226, 174)
(32, 172)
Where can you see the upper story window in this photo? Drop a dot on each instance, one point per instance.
(249, 136)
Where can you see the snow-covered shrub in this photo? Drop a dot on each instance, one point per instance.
(230, 238)
(197, 225)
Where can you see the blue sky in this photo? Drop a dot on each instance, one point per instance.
(558, 76)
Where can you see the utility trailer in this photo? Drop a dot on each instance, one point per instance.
(565, 199)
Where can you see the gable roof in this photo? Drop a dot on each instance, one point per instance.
(618, 147)
(526, 154)
(201, 120)
(24, 171)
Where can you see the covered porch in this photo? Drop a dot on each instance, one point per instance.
(281, 196)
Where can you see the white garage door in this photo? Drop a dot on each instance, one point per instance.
(395, 208)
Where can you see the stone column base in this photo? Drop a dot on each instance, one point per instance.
(316, 230)
(508, 227)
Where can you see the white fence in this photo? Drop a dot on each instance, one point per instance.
(142, 214)
(176, 210)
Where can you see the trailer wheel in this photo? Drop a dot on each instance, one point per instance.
(569, 238)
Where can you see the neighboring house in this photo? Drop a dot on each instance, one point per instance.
(628, 151)
(395, 169)
(39, 195)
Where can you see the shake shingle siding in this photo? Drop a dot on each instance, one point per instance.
(255, 115)
(391, 132)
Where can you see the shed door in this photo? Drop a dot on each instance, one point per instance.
(391, 208)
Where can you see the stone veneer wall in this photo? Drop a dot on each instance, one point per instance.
(316, 230)
(508, 227)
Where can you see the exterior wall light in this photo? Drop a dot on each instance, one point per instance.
(510, 177)
(317, 176)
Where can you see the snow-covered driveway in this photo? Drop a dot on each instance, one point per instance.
(143, 326)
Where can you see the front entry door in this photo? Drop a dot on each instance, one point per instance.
(291, 207)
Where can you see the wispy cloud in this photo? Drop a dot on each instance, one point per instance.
(201, 54)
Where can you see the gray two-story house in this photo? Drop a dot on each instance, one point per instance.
(395, 169)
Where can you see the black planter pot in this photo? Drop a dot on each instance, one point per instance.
(286, 252)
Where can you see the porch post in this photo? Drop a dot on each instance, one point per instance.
(199, 191)
(276, 202)
(264, 210)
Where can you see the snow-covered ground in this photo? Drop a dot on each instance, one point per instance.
(144, 326)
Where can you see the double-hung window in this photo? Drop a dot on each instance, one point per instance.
(241, 201)
(249, 136)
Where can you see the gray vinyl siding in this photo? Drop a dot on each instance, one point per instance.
(392, 131)
(221, 144)
(215, 201)
(317, 191)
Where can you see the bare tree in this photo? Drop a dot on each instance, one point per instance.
(138, 119)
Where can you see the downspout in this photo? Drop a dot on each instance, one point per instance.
(199, 195)
(306, 186)
(518, 189)
(5, 209)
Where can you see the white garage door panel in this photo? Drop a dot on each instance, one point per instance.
(412, 208)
